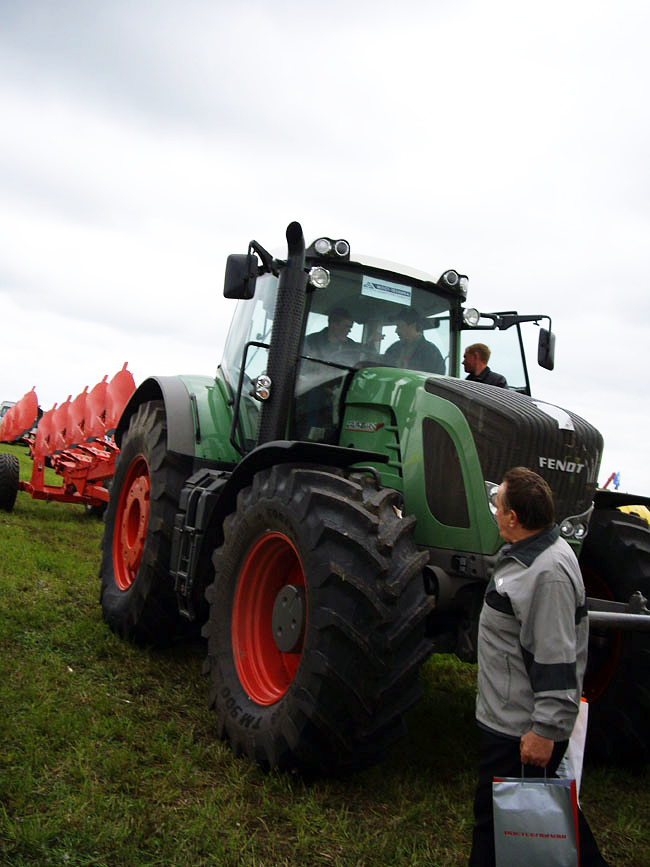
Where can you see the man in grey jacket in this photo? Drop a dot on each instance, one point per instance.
(532, 653)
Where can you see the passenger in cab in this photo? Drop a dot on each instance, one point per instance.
(413, 351)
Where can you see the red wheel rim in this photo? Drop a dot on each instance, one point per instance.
(131, 521)
(264, 671)
(600, 665)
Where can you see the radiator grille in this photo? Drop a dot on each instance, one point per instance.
(510, 429)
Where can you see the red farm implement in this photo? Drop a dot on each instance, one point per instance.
(75, 439)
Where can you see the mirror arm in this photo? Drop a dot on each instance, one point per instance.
(269, 265)
(507, 321)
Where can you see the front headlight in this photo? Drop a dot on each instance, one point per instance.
(319, 277)
(491, 489)
(576, 526)
(323, 246)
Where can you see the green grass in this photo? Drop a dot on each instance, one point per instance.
(108, 754)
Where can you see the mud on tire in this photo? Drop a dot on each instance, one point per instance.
(137, 593)
(341, 553)
(615, 562)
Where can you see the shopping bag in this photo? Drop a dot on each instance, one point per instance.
(571, 764)
(535, 822)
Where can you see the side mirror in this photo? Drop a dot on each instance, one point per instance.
(241, 275)
(546, 349)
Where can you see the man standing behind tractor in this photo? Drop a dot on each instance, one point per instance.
(532, 653)
(475, 362)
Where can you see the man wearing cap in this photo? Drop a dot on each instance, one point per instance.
(413, 351)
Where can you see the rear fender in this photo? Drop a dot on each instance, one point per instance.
(181, 414)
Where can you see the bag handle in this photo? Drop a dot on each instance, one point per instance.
(522, 772)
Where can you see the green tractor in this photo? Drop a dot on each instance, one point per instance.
(324, 512)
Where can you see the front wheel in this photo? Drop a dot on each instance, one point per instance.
(615, 562)
(317, 620)
(137, 592)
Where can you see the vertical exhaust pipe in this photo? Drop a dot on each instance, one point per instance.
(285, 339)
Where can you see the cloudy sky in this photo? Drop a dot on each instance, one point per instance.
(141, 141)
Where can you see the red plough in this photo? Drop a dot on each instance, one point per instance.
(18, 421)
(76, 439)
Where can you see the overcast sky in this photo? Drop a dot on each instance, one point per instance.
(141, 141)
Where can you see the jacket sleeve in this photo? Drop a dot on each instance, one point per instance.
(549, 649)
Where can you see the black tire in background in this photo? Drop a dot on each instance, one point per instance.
(9, 478)
(615, 562)
(316, 630)
(137, 592)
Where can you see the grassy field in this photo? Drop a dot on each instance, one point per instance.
(108, 754)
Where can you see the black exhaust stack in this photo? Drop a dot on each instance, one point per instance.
(285, 340)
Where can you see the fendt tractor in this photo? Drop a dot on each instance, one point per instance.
(327, 517)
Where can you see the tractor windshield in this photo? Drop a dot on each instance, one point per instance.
(366, 318)
(361, 317)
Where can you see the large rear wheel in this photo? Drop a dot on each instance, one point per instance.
(615, 562)
(9, 478)
(317, 620)
(137, 592)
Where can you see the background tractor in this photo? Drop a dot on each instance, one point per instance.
(327, 517)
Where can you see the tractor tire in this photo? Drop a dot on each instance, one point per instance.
(137, 592)
(317, 620)
(9, 477)
(615, 562)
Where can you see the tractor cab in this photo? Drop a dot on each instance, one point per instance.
(352, 313)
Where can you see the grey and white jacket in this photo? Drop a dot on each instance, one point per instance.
(532, 645)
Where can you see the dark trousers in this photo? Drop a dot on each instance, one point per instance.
(500, 757)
